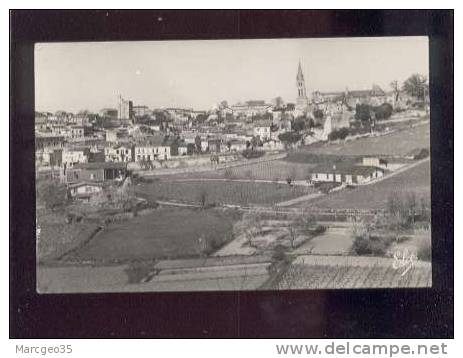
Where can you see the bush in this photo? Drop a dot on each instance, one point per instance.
(279, 253)
(325, 188)
(52, 194)
(299, 124)
(228, 173)
(252, 154)
(424, 153)
(318, 114)
(318, 230)
(340, 133)
(139, 270)
(363, 112)
(290, 137)
(383, 111)
(424, 251)
(371, 245)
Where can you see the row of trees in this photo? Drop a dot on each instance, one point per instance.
(416, 86)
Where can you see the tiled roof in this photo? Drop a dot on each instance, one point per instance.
(346, 169)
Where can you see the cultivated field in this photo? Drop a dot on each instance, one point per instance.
(415, 180)
(221, 192)
(337, 272)
(271, 170)
(164, 233)
(397, 143)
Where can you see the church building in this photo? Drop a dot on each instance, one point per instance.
(302, 101)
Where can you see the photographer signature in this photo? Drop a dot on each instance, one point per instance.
(404, 260)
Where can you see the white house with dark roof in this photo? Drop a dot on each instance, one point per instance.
(346, 174)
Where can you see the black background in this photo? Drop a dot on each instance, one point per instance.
(386, 313)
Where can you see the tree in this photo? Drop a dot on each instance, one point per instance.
(298, 124)
(203, 245)
(396, 89)
(250, 153)
(318, 114)
(203, 198)
(412, 206)
(383, 111)
(363, 112)
(198, 143)
(340, 133)
(292, 232)
(289, 137)
(52, 193)
(279, 103)
(252, 226)
(223, 104)
(255, 141)
(416, 86)
(190, 148)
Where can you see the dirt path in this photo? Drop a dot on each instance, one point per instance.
(395, 172)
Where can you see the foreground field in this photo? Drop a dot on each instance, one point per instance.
(200, 274)
(416, 180)
(338, 272)
(55, 237)
(398, 143)
(164, 233)
(221, 192)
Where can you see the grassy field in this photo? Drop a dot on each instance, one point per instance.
(397, 143)
(164, 233)
(270, 170)
(375, 196)
(221, 192)
(55, 237)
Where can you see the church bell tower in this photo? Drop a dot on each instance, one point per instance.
(301, 101)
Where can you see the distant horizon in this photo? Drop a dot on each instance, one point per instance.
(199, 74)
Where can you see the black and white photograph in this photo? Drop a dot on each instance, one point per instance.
(242, 173)
(233, 165)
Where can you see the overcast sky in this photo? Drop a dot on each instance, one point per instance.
(198, 74)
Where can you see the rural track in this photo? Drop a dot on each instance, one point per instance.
(395, 172)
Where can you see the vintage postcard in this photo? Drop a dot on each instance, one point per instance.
(232, 165)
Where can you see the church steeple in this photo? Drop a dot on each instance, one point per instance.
(300, 75)
(302, 100)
